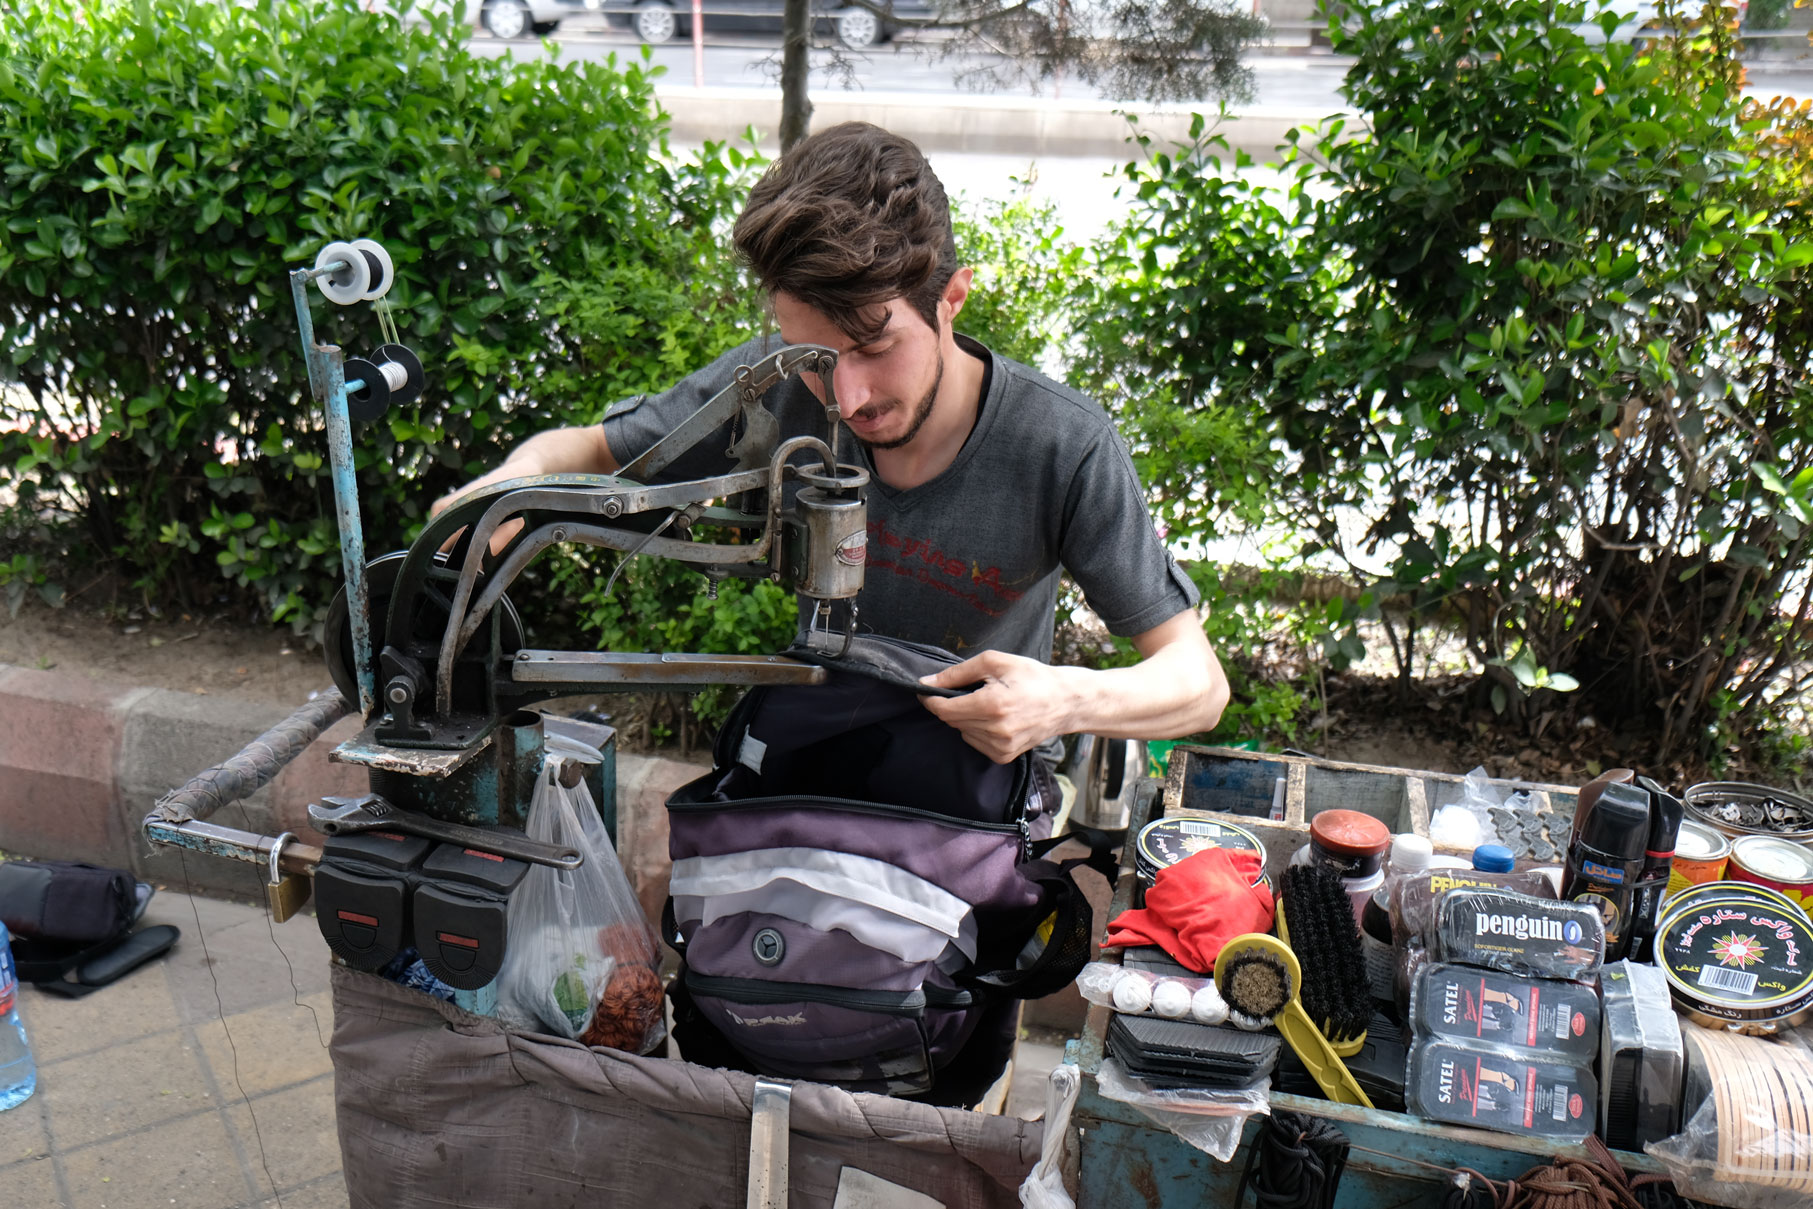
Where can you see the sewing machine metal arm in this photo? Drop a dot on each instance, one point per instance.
(813, 538)
(551, 502)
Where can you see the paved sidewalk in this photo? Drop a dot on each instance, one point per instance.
(153, 1092)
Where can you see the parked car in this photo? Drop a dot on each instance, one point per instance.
(503, 18)
(1640, 18)
(527, 18)
(657, 21)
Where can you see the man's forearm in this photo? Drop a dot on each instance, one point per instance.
(556, 451)
(1178, 690)
(559, 451)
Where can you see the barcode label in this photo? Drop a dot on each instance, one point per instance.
(1196, 827)
(1559, 1109)
(1721, 979)
(1563, 1014)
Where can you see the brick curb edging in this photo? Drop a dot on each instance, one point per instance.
(83, 761)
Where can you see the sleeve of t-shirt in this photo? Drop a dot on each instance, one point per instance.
(632, 426)
(1110, 546)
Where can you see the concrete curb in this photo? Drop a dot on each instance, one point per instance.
(1030, 126)
(82, 762)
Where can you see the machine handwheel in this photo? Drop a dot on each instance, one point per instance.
(428, 625)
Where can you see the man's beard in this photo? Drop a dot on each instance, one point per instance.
(921, 413)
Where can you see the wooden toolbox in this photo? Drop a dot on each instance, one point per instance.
(1127, 1159)
(1241, 787)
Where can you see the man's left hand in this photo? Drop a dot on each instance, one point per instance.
(1021, 703)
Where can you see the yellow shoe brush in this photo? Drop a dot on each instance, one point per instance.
(1259, 977)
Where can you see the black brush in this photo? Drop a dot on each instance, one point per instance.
(1315, 918)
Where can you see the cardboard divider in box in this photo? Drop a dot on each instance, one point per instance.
(1241, 787)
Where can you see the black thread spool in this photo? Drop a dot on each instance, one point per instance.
(383, 273)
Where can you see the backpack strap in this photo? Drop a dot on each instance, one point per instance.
(1060, 948)
(1102, 847)
(98, 965)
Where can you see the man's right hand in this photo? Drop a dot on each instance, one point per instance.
(557, 451)
(505, 531)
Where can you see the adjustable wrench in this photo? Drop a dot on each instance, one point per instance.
(369, 812)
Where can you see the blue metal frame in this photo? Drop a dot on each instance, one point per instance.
(327, 381)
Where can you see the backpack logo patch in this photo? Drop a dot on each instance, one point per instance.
(769, 947)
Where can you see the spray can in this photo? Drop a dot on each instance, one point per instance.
(1606, 858)
(1665, 811)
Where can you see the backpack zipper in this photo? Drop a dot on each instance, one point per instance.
(757, 990)
(873, 808)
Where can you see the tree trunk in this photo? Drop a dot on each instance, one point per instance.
(796, 42)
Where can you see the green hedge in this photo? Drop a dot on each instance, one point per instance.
(166, 163)
(1536, 322)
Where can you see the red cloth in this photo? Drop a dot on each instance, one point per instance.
(1196, 906)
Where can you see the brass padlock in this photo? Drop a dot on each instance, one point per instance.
(284, 893)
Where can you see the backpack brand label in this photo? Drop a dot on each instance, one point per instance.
(796, 1019)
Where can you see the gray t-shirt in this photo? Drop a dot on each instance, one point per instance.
(970, 560)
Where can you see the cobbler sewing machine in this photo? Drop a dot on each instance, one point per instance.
(427, 647)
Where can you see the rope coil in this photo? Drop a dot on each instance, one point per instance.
(1298, 1160)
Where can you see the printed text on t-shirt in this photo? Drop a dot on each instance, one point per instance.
(919, 559)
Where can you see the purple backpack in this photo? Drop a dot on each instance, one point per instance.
(854, 889)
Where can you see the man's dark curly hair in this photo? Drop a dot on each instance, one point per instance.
(850, 217)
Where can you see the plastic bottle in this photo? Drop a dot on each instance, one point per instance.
(1493, 858)
(1605, 860)
(1409, 854)
(18, 1073)
(1665, 811)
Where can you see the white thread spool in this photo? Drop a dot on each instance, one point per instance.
(395, 376)
(383, 274)
(349, 283)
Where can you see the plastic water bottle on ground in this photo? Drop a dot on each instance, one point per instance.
(18, 1073)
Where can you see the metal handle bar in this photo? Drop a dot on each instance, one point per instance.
(256, 764)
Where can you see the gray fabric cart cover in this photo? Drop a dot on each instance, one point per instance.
(438, 1107)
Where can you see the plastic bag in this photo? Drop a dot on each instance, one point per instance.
(1143, 993)
(1746, 1144)
(1466, 822)
(580, 961)
(1044, 1184)
(1210, 1120)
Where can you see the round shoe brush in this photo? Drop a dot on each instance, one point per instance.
(1258, 975)
(1315, 918)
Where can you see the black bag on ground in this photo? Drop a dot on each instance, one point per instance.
(856, 892)
(71, 924)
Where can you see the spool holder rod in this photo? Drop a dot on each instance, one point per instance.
(327, 380)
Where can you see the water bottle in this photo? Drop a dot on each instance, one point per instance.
(18, 1073)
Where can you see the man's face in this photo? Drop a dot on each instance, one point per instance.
(886, 389)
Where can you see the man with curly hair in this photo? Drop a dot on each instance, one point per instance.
(988, 479)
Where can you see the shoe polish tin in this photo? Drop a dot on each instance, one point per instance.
(1739, 964)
